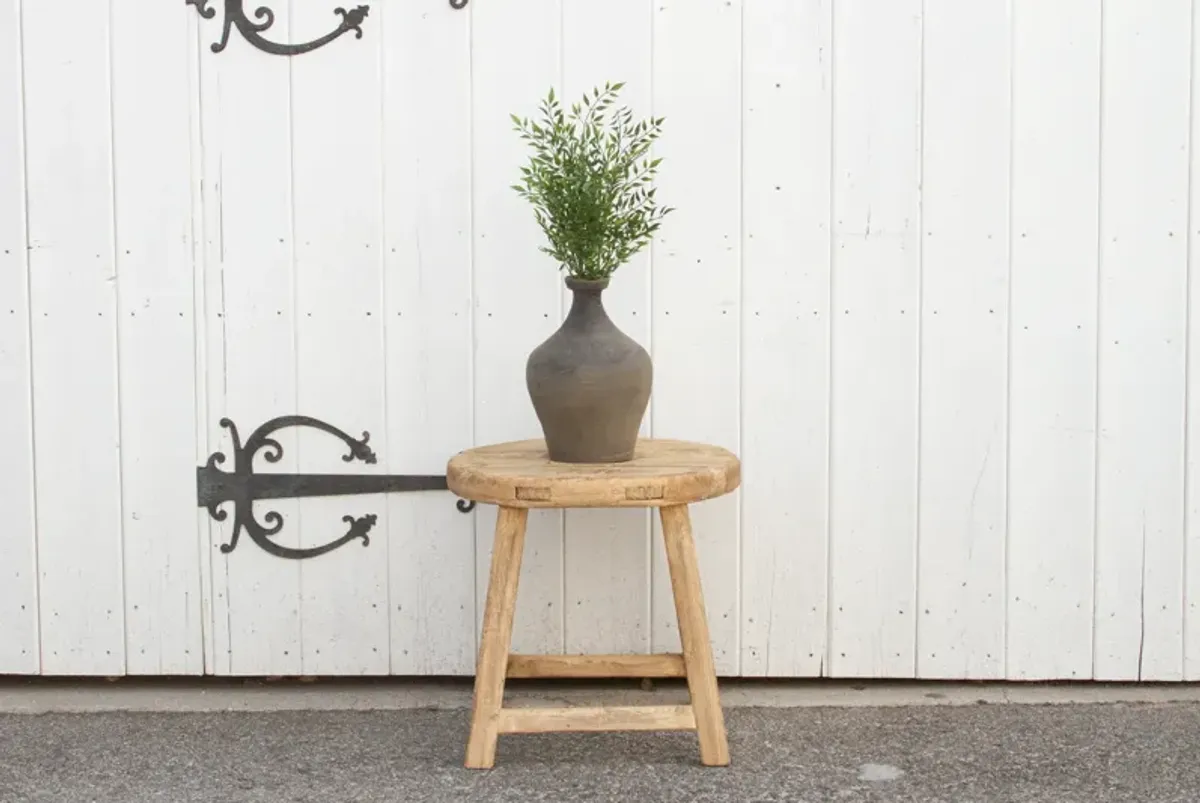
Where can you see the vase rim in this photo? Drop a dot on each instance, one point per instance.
(574, 283)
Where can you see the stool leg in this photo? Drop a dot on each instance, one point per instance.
(496, 636)
(693, 633)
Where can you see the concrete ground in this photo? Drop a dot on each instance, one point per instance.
(402, 742)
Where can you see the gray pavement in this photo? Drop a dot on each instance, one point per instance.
(1064, 753)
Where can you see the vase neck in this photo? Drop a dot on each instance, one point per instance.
(586, 304)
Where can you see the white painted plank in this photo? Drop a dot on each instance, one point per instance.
(337, 188)
(19, 652)
(1191, 547)
(252, 376)
(875, 332)
(515, 60)
(74, 336)
(697, 287)
(607, 552)
(211, 378)
(152, 165)
(1052, 415)
(1142, 337)
(786, 153)
(427, 230)
(207, 340)
(964, 341)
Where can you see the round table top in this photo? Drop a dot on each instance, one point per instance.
(661, 473)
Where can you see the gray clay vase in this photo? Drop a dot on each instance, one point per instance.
(589, 383)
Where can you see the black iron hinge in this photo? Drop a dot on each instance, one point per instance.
(242, 486)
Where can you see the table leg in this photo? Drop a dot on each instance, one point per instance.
(496, 636)
(693, 633)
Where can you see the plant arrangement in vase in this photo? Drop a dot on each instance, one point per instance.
(590, 180)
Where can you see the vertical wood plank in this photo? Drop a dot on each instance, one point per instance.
(1191, 547)
(73, 289)
(336, 131)
(1142, 379)
(427, 229)
(250, 305)
(1052, 416)
(876, 326)
(208, 340)
(786, 151)
(964, 340)
(19, 652)
(607, 552)
(515, 59)
(152, 165)
(697, 286)
(210, 345)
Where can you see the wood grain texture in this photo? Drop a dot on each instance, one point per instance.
(662, 472)
(596, 666)
(694, 635)
(496, 635)
(210, 347)
(612, 718)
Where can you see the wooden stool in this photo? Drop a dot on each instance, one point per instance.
(664, 474)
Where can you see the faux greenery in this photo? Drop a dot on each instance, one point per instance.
(590, 181)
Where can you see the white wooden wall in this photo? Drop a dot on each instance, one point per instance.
(929, 275)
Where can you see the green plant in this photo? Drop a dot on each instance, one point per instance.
(590, 181)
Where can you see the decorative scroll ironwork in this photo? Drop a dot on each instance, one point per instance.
(243, 487)
(252, 29)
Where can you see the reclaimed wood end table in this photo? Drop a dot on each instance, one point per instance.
(667, 474)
